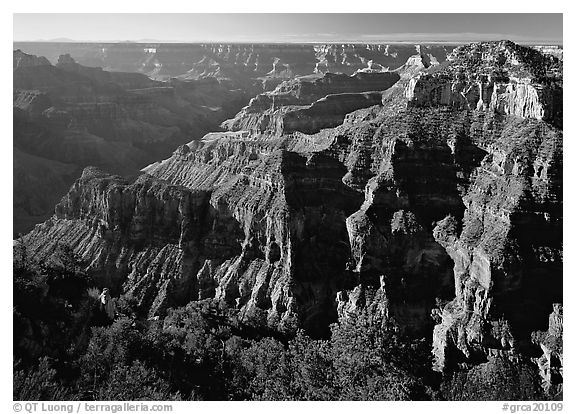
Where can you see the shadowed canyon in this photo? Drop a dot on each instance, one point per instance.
(304, 192)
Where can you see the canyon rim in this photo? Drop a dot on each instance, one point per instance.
(280, 220)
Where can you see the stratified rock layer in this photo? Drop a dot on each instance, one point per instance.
(443, 220)
(236, 62)
(311, 103)
(505, 78)
(119, 121)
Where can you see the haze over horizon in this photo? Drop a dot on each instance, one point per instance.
(289, 28)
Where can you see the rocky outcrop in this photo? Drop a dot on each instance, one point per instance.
(510, 239)
(306, 90)
(491, 231)
(551, 362)
(410, 179)
(500, 77)
(23, 60)
(349, 58)
(416, 64)
(151, 220)
(311, 103)
(503, 239)
(257, 230)
(514, 97)
(277, 197)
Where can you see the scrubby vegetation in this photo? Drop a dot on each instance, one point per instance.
(65, 348)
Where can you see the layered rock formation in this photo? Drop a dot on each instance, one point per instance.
(439, 216)
(126, 80)
(237, 62)
(83, 116)
(373, 57)
(310, 103)
(509, 79)
(508, 256)
(243, 231)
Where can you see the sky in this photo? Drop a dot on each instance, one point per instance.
(284, 27)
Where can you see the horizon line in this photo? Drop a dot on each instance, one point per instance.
(340, 41)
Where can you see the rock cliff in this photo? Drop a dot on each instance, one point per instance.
(78, 115)
(22, 60)
(500, 77)
(244, 65)
(310, 103)
(441, 216)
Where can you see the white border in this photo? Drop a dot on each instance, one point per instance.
(297, 6)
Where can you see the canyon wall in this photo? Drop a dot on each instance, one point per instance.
(283, 61)
(439, 216)
(506, 79)
(311, 103)
(78, 116)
